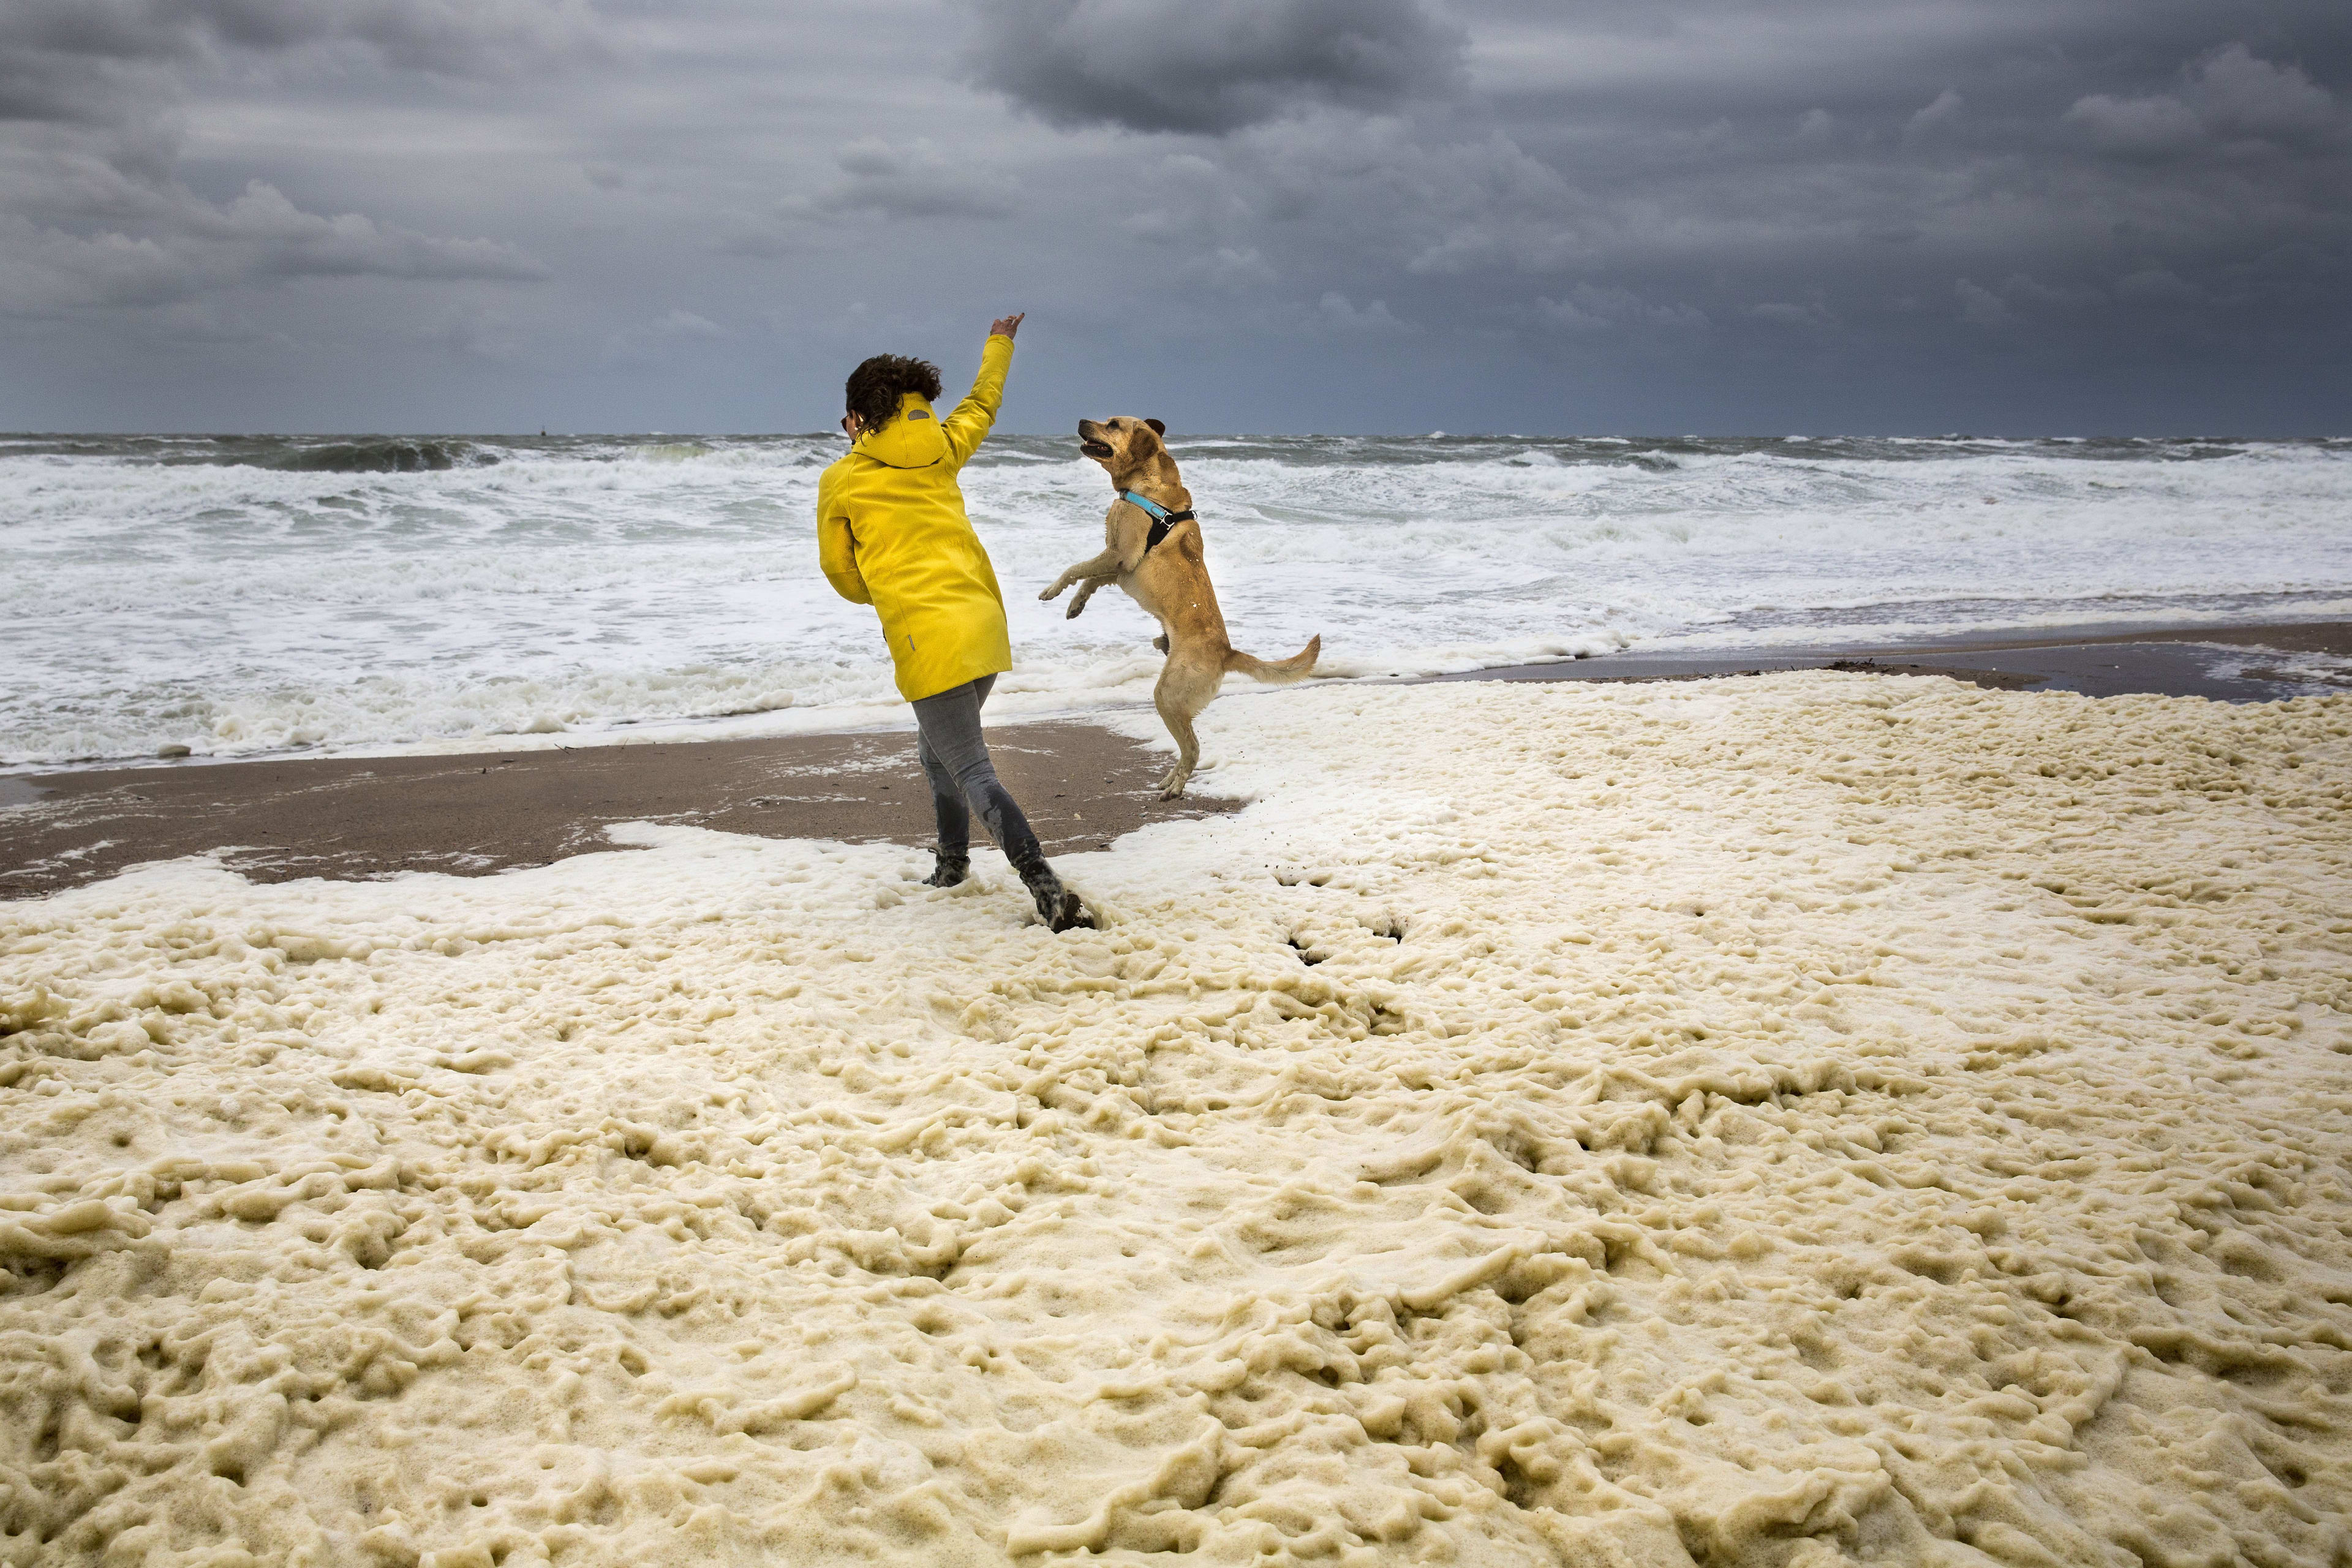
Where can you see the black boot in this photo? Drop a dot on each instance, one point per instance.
(950, 869)
(1056, 905)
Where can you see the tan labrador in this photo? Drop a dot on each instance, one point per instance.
(1152, 549)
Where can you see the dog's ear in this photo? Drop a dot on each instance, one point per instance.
(1157, 427)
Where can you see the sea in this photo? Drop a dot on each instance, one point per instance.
(226, 597)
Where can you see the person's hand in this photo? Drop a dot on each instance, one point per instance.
(1006, 326)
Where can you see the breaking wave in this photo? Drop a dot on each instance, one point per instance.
(240, 594)
(384, 455)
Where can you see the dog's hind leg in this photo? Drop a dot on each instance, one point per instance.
(1187, 746)
(1185, 688)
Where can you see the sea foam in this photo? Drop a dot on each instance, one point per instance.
(1803, 1120)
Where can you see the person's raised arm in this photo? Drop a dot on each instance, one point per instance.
(836, 549)
(972, 419)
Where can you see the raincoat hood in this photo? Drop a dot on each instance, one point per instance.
(912, 440)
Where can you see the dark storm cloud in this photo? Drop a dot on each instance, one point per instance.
(916, 180)
(2070, 214)
(259, 234)
(42, 42)
(2230, 104)
(2045, 168)
(1209, 65)
(96, 216)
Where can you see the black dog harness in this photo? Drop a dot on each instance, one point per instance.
(1163, 519)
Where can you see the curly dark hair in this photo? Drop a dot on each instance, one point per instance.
(875, 386)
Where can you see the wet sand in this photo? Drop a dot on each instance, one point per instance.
(2229, 664)
(374, 816)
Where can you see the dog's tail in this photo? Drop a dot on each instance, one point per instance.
(1291, 668)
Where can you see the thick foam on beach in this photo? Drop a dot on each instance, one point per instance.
(1799, 1121)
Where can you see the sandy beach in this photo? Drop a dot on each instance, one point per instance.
(475, 814)
(1755, 970)
(1754, 606)
(472, 814)
(1804, 1118)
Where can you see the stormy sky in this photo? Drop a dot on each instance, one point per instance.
(2064, 216)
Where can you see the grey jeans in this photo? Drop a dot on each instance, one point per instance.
(963, 780)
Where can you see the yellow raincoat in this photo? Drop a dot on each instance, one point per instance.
(891, 533)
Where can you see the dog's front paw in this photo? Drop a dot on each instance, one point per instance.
(1050, 592)
(1071, 613)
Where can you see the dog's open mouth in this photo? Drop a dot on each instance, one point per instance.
(1095, 448)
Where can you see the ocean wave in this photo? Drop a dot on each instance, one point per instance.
(248, 594)
(383, 454)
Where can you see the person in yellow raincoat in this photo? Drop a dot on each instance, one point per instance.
(891, 533)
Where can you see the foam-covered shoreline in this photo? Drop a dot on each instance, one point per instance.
(1779, 1122)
